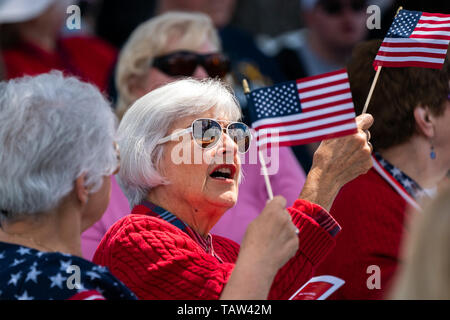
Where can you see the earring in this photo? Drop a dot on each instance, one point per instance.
(432, 153)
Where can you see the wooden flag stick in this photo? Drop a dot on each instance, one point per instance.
(260, 155)
(374, 82)
(266, 175)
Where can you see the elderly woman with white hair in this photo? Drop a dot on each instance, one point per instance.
(56, 156)
(180, 171)
(161, 50)
(57, 152)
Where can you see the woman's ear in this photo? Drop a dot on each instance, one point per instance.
(135, 87)
(81, 191)
(424, 121)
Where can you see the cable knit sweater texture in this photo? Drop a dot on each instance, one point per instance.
(157, 260)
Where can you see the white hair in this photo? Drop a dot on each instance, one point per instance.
(52, 130)
(148, 120)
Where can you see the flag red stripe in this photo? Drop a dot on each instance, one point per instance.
(432, 21)
(325, 95)
(312, 139)
(432, 29)
(431, 36)
(328, 105)
(324, 126)
(294, 122)
(408, 64)
(412, 54)
(321, 86)
(438, 15)
(415, 44)
(323, 75)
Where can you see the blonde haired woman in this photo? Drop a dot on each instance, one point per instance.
(168, 33)
(161, 50)
(425, 273)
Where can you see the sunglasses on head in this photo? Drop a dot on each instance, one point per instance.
(184, 63)
(335, 7)
(207, 132)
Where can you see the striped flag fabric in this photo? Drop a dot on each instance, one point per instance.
(415, 39)
(303, 111)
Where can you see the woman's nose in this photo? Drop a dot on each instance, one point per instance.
(200, 73)
(227, 145)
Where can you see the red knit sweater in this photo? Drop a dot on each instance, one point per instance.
(157, 260)
(372, 216)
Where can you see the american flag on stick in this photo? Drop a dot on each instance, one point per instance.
(415, 39)
(303, 111)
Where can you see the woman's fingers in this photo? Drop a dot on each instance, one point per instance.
(364, 121)
(272, 235)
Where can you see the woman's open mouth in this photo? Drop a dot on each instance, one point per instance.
(224, 172)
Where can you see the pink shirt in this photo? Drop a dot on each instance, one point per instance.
(252, 198)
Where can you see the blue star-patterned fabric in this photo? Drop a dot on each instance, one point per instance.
(411, 186)
(29, 274)
(279, 100)
(404, 24)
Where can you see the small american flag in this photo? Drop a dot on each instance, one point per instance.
(303, 111)
(415, 39)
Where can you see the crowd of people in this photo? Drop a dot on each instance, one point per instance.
(100, 174)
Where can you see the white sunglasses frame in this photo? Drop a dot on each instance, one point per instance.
(173, 136)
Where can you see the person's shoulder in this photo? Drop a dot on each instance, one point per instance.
(367, 195)
(87, 280)
(38, 275)
(153, 229)
(78, 39)
(89, 43)
(142, 221)
(365, 184)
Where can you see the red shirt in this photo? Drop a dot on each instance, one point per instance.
(373, 217)
(158, 260)
(88, 58)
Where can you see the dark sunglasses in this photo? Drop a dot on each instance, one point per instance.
(184, 63)
(207, 132)
(335, 7)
